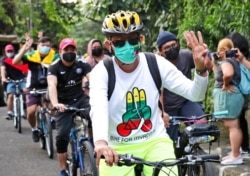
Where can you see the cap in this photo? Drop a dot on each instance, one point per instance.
(9, 47)
(165, 36)
(67, 42)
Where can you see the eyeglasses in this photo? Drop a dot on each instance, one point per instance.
(121, 43)
(168, 47)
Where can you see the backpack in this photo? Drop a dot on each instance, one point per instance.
(244, 84)
(152, 65)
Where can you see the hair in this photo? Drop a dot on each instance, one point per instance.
(240, 42)
(44, 39)
(225, 44)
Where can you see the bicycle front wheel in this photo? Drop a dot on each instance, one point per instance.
(204, 169)
(48, 136)
(88, 167)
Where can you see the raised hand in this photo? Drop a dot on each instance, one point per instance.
(199, 50)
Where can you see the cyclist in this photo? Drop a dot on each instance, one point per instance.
(38, 61)
(177, 105)
(10, 71)
(130, 121)
(65, 78)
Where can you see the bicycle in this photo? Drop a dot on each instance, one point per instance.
(43, 119)
(192, 136)
(188, 160)
(18, 104)
(80, 151)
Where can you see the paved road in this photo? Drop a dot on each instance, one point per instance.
(19, 155)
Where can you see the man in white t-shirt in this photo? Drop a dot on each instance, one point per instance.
(129, 122)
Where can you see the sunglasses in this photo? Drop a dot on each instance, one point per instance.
(121, 43)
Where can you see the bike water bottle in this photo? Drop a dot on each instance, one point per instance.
(201, 139)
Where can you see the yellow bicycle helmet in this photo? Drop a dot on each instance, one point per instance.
(122, 22)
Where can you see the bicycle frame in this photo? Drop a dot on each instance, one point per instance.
(76, 143)
(18, 108)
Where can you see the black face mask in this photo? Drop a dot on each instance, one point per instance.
(172, 53)
(97, 52)
(69, 57)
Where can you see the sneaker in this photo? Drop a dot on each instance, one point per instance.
(35, 135)
(53, 123)
(9, 116)
(244, 152)
(63, 173)
(231, 160)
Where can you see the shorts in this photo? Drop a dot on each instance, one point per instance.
(11, 87)
(233, 102)
(32, 99)
(157, 149)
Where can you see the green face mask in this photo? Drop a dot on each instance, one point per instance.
(127, 54)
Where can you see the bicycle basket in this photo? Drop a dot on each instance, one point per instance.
(197, 130)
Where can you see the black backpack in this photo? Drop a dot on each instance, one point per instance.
(153, 68)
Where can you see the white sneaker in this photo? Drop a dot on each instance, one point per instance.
(231, 160)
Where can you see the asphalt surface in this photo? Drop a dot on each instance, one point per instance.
(19, 155)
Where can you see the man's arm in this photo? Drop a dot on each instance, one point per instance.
(18, 58)
(52, 83)
(3, 74)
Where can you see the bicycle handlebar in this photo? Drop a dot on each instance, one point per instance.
(39, 91)
(15, 81)
(129, 160)
(182, 119)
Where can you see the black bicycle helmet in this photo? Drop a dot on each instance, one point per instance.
(122, 22)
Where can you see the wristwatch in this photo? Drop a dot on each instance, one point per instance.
(201, 72)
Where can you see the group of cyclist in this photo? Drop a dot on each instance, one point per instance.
(133, 104)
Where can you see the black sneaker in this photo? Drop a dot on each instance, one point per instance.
(63, 173)
(9, 116)
(35, 135)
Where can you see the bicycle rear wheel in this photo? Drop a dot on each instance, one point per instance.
(18, 115)
(89, 166)
(48, 136)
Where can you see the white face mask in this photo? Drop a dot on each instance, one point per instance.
(9, 54)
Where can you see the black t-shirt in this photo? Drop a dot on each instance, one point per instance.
(12, 72)
(69, 80)
(185, 64)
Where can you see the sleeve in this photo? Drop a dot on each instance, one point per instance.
(176, 82)
(99, 112)
(52, 70)
(87, 68)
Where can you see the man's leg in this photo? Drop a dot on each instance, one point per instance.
(10, 90)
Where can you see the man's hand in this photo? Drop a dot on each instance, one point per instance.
(102, 149)
(60, 107)
(199, 50)
(165, 119)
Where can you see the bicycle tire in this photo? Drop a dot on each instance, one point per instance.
(204, 169)
(70, 162)
(87, 154)
(41, 135)
(207, 166)
(48, 136)
(18, 115)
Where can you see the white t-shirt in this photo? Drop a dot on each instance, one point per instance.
(131, 115)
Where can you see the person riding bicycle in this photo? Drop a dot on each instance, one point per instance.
(177, 105)
(129, 122)
(38, 61)
(12, 72)
(65, 79)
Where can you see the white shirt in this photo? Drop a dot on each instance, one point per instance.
(131, 115)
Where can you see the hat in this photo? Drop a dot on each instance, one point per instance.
(67, 42)
(165, 36)
(9, 48)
